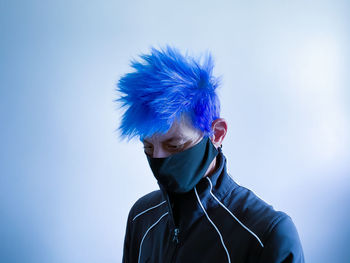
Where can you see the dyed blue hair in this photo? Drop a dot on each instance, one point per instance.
(165, 85)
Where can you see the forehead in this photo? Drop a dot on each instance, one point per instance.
(180, 130)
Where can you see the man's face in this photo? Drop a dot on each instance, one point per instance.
(180, 137)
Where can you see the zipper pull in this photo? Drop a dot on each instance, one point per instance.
(176, 235)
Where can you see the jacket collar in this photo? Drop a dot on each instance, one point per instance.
(184, 209)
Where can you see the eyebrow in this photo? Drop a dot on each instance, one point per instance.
(176, 139)
(173, 139)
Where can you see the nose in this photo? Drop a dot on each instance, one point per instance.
(159, 152)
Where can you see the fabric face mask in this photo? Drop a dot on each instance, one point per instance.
(180, 172)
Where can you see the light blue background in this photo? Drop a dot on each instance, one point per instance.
(67, 182)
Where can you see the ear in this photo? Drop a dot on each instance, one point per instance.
(219, 127)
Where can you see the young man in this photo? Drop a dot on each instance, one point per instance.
(199, 214)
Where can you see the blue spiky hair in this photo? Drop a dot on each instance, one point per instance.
(165, 86)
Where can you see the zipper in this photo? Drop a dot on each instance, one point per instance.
(177, 244)
(176, 236)
(176, 230)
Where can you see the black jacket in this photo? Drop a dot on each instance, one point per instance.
(218, 221)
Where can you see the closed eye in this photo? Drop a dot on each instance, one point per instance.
(175, 147)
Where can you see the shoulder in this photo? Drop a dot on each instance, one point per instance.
(260, 216)
(146, 203)
(282, 243)
(275, 229)
(255, 212)
(145, 208)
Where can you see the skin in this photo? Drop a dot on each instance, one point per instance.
(181, 136)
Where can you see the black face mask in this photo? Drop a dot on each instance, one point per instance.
(180, 172)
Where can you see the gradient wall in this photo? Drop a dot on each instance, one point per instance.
(67, 182)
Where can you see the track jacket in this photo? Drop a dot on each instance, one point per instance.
(218, 221)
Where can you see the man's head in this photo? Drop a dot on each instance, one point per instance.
(172, 106)
(167, 89)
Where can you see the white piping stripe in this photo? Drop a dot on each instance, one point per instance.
(217, 230)
(143, 238)
(148, 210)
(246, 228)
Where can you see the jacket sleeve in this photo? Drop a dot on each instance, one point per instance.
(283, 244)
(126, 250)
